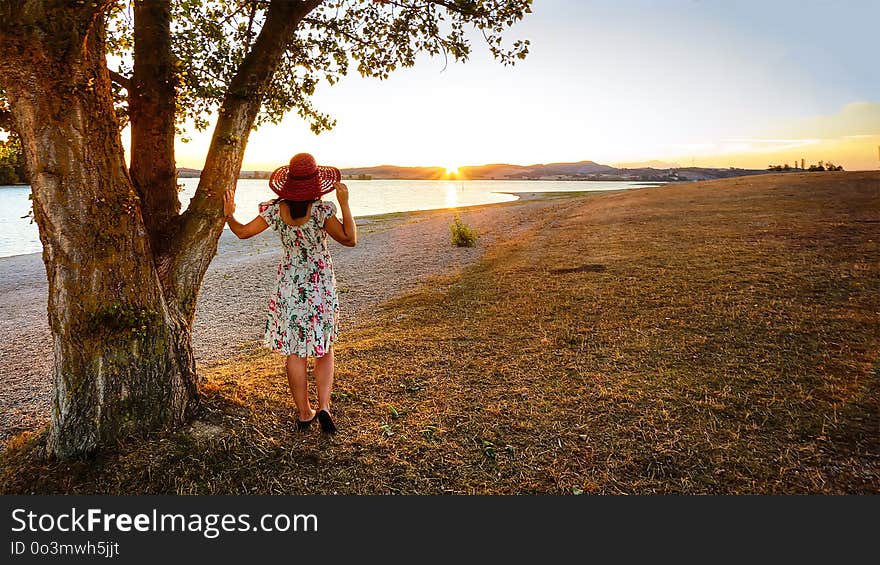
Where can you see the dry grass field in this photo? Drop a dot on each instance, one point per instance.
(717, 337)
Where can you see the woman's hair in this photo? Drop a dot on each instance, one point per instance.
(298, 208)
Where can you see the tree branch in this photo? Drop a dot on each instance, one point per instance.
(6, 123)
(200, 226)
(121, 80)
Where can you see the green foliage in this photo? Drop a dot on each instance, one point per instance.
(212, 38)
(826, 166)
(817, 167)
(12, 169)
(11, 162)
(462, 234)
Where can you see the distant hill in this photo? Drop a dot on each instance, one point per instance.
(395, 172)
(702, 173)
(493, 171)
(255, 174)
(648, 165)
(538, 172)
(186, 173)
(580, 170)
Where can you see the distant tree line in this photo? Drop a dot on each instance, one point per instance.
(820, 166)
(12, 169)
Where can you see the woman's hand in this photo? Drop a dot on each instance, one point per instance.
(345, 232)
(341, 193)
(243, 231)
(229, 202)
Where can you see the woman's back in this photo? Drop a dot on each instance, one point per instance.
(304, 241)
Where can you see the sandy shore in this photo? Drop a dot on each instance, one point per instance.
(396, 252)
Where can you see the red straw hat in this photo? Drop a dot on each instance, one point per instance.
(303, 179)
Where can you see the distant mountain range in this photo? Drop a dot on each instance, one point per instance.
(186, 173)
(581, 170)
(648, 164)
(481, 172)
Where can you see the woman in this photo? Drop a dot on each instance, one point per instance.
(303, 311)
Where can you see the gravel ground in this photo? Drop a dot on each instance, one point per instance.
(395, 253)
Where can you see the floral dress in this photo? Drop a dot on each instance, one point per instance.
(303, 311)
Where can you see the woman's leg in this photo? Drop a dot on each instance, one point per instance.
(324, 378)
(297, 378)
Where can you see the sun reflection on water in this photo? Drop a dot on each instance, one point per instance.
(452, 195)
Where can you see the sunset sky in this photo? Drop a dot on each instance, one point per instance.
(710, 83)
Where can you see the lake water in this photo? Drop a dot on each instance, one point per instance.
(18, 235)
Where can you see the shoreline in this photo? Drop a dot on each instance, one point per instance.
(397, 252)
(385, 216)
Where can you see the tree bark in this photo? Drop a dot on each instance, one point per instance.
(151, 103)
(123, 360)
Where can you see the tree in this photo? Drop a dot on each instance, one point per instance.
(124, 265)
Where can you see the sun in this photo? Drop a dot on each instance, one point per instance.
(451, 170)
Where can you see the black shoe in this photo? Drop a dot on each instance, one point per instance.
(303, 425)
(326, 421)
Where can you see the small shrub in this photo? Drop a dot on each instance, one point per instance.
(462, 234)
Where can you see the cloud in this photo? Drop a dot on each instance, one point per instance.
(775, 141)
(853, 120)
(759, 145)
(850, 136)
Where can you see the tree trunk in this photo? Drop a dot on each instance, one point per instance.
(124, 269)
(123, 359)
(151, 107)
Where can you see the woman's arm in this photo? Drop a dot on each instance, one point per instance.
(344, 232)
(243, 231)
